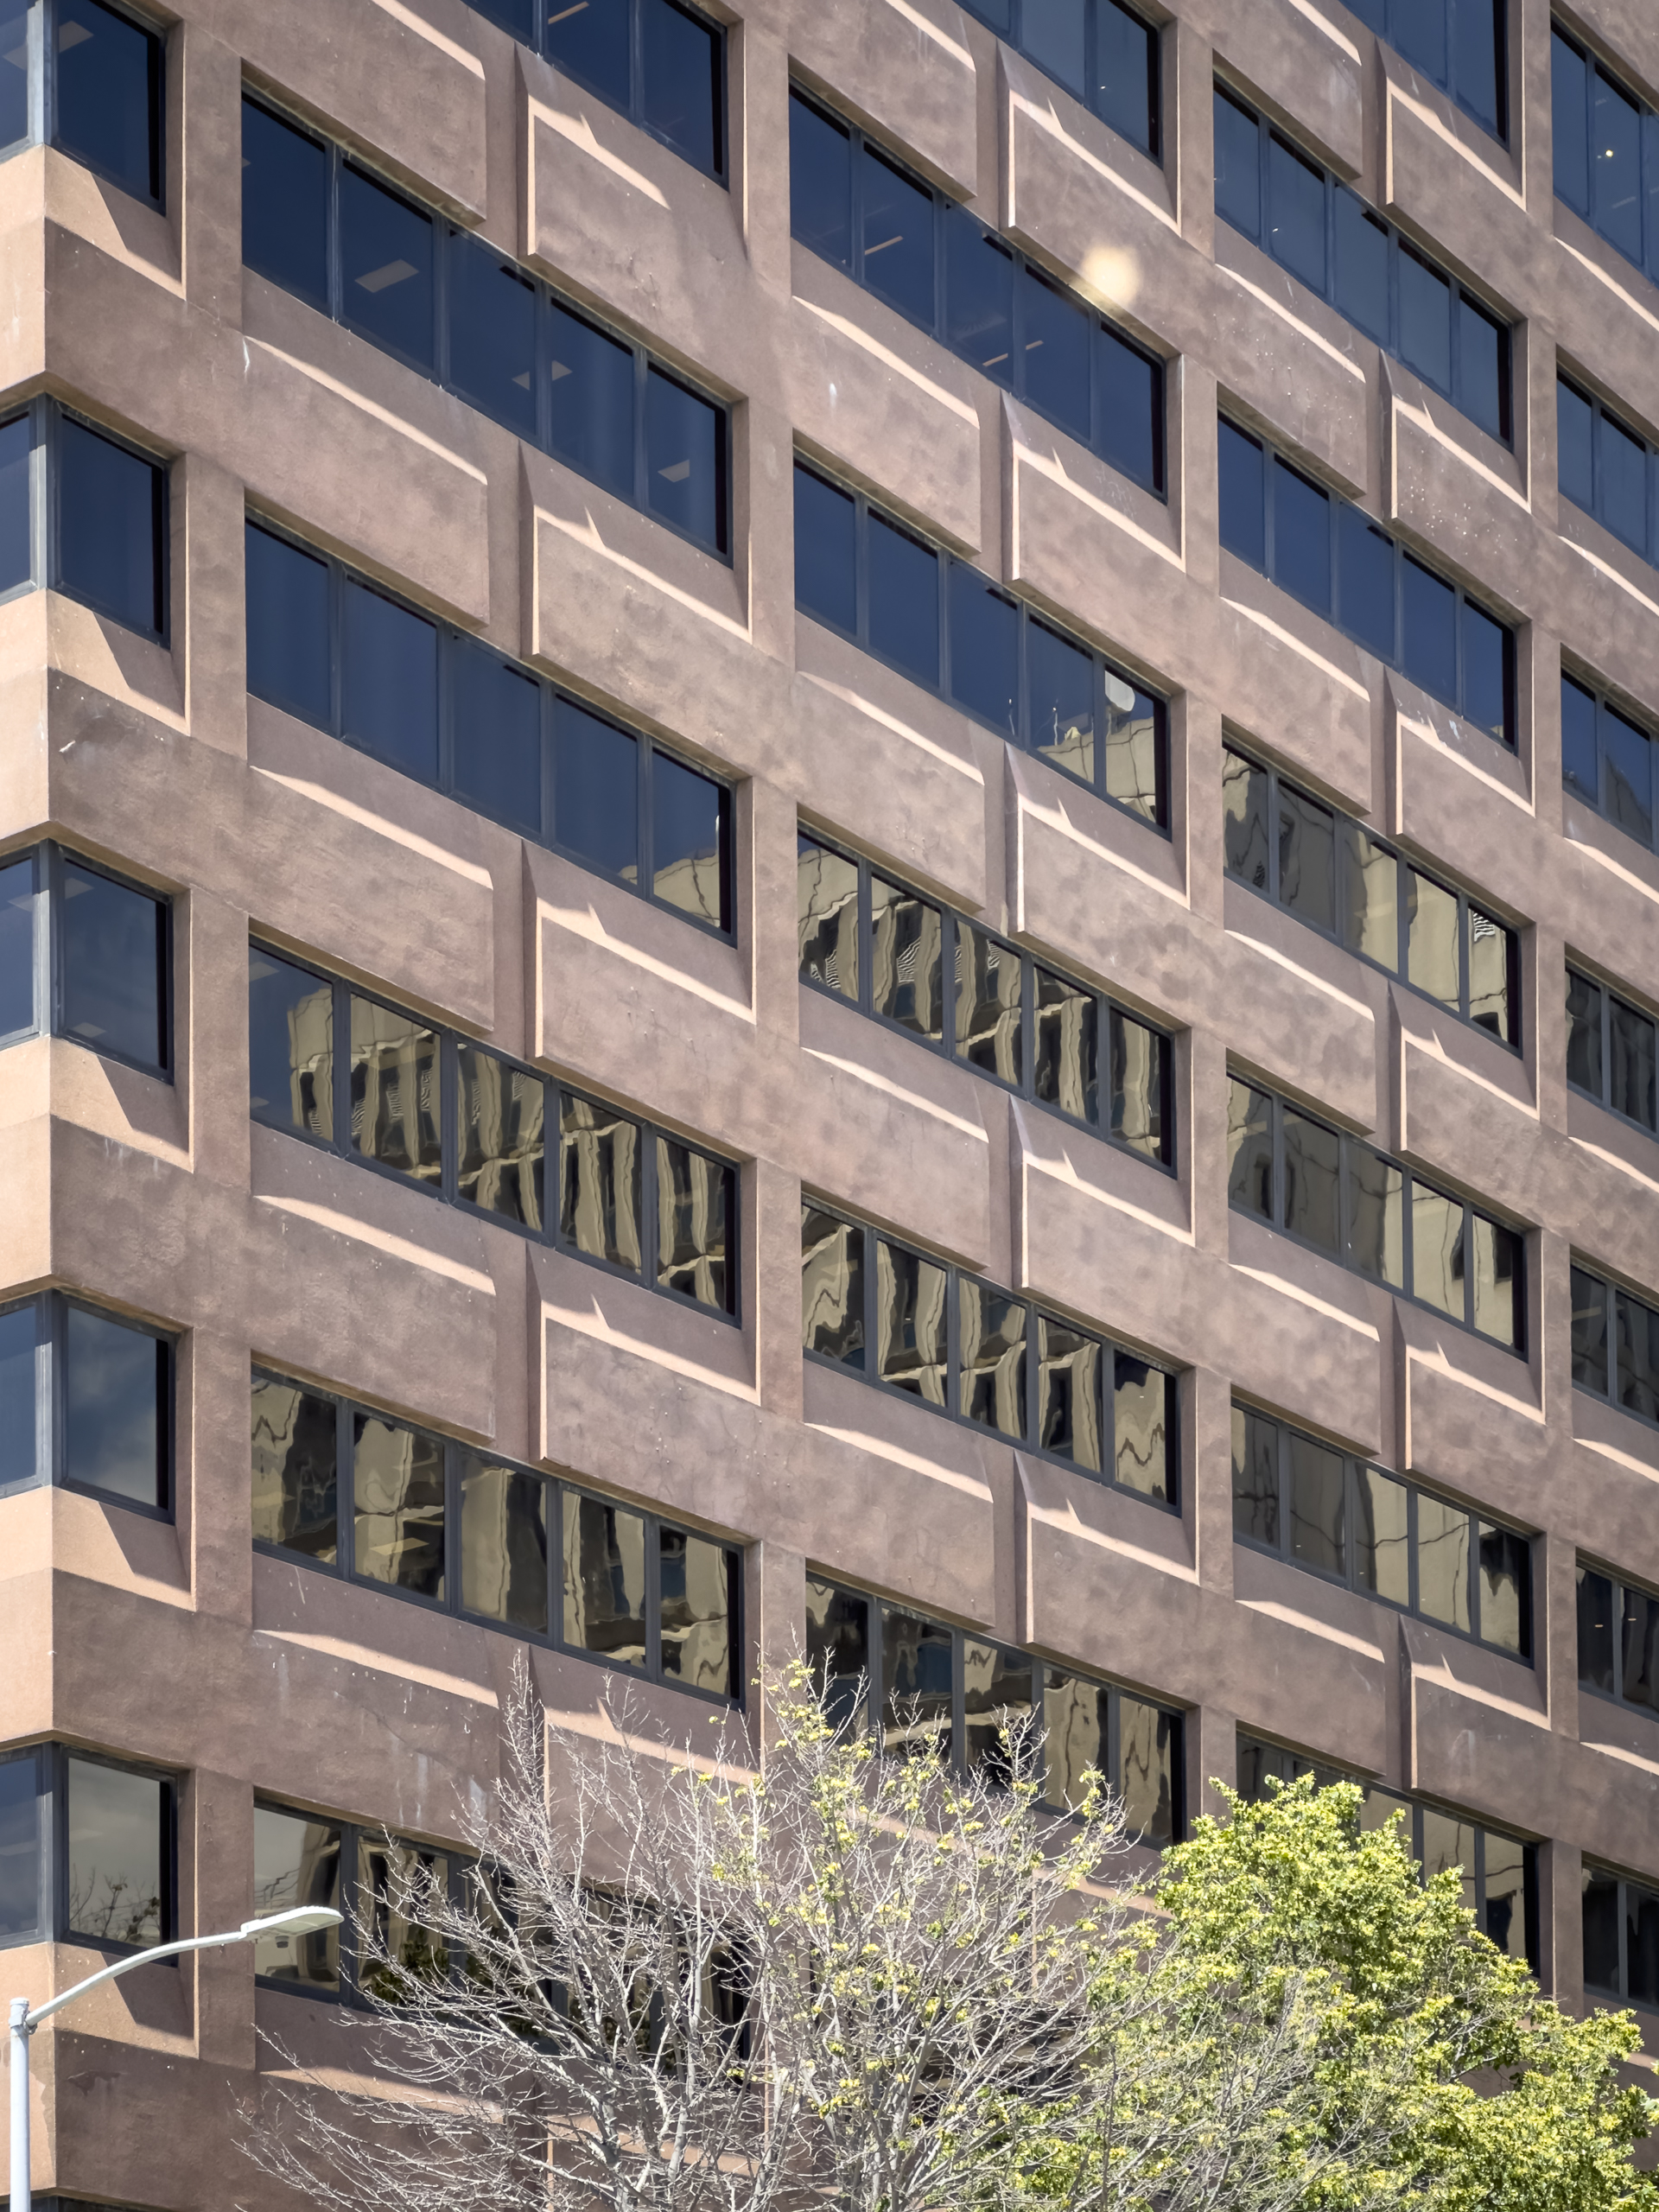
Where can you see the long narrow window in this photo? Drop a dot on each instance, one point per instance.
(1618, 1638)
(1607, 468)
(932, 259)
(85, 956)
(379, 1883)
(1609, 760)
(933, 1691)
(981, 1356)
(1620, 1937)
(1330, 554)
(1101, 52)
(346, 1489)
(1606, 151)
(1610, 1053)
(85, 513)
(1459, 45)
(86, 1400)
(947, 626)
(458, 310)
(87, 76)
(342, 653)
(1338, 877)
(1615, 1344)
(888, 949)
(1334, 1516)
(1329, 239)
(1374, 1215)
(88, 1850)
(1500, 1872)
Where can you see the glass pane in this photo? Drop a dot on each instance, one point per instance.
(590, 42)
(1581, 771)
(1505, 1562)
(598, 1181)
(1430, 641)
(696, 1202)
(1589, 1331)
(1362, 265)
(1370, 888)
(1135, 749)
(989, 1010)
(1584, 1034)
(997, 1710)
(1307, 859)
(1630, 775)
(1488, 675)
(386, 252)
(985, 649)
(1623, 484)
(1260, 1764)
(685, 459)
(291, 1045)
(1131, 409)
(1570, 141)
(1437, 1258)
(1574, 430)
(1425, 320)
(826, 915)
(16, 534)
(1147, 1744)
(680, 58)
(1376, 1203)
(1074, 1740)
(1632, 1089)
(904, 591)
(1504, 1913)
(1238, 166)
(111, 539)
(838, 1651)
(1596, 1631)
(17, 1397)
(1601, 1922)
(1244, 819)
(1250, 1149)
(1140, 1088)
(491, 310)
(832, 1287)
(1066, 1072)
(591, 424)
(910, 1321)
(118, 1854)
(14, 93)
(288, 628)
(497, 736)
(907, 960)
(1442, 1560)
(1449, 1843)
(502, 1139)
(284, 206)
(1367, 582)
(688, 833)
(400, 1889)
(108, 83)
(296, 1493)
(897, 239)
(1317, 1518)
(1642, 1945)
(395, 1105)
(1432, 960)
(389, 681)
(504, 1545)
(1483, 369)
(1636, 1354)
(295, 1862)
(1490, 959)
(604, 1579)
(1143, 1406)
(820, 182)
(1068, 1389)
(992, 1327)
(1476, 53)
(1498, 1307)
(916, 1669)
(1641, 1648)
(1296, 214)
(978, 294)
(115, 1407)
(1301, 538)
(1051, 33)
(699, 1619)
(1055, 348)
(1616, 160)
(1126, 73)
(1381, 1536)
(1313, 1181)
(596, 801)
(112, 948)
(398, 1498)
(826, 552)
(20, 1847)
(1256, 1478)
(1242, 491)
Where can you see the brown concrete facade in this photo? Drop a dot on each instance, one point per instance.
(171, 1643)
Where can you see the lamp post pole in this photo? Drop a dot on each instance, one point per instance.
(306, 1920)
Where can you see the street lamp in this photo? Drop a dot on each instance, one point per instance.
(304, 1920)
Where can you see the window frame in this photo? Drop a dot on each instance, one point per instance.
(42, 126)
(1407, 866)
(1501, 75)
(450, 1043)
(1613, 1288)
(1605, 706)
(1013, 36)
(1648, 158)
(555, 1488)
(1609, 996)
(1594, 1870)
(1619, 1583)
(633, 112)
(46, 417)
(1106, 670)
(50, 1309)
(445, 235)
(1600, 415)
(1111, 1347)
(50, 1762)
(47, 858)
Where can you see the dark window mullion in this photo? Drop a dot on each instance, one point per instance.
(953, 1340)
(861, 570)
(644, 814)
(653, 1597)
(1414, 1595)
(1473, 1598)
(872, 1306)
(345, 1492)
(1284, 1489)
(959, 1701)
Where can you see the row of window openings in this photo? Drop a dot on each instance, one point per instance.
(379, 1502)
(85, 514)
(1610, 1052)
(86, 956)
(1330, 872)
(1607, 469)
(423, 1103)
(888, 950)
(1615, 1344)
(1374, 1215)
(1329, 239)
(455, 309)
(87, 1850)
(1332, 1515)
(1621, 1938)
(1329, 554)
(345, 656)
(1619, 1639)
(944, 624)
(925, 1690)
(931, 258)
(1608, 761)
(86, 1401)
(88, 78)
(984, 1356)
(1606, 151)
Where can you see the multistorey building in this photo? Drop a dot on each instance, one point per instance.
(826, 825)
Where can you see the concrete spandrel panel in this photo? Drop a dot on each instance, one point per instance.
(1103, 902)
(1104, 1602)
(1608, 598)
(1301, 66)
(1293, 683)
(1291, 363)
(1454, 184)
(1612, 1471)
(1441, 771)
(1467, 1407)
(1287, 1627)
(1479, 1734)
(1606, 317)
(1313, 1009)
(1457, 493)
(143, 1113)
(902, 67)
(25, 758)
(1305, 1336)
(23, 297)
(1064, 1157)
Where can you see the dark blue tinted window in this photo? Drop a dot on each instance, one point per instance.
(17, 533)
(1238, 166)
(984, 649)
(17, 1459)
(1362, 266)
(385, 273)
(688, 840)
(904, 593)
(1063, 686)
(1580, 754)
(1476, 60)
(1488, 672)
(20, 1847)
(1483, 368)
(820, 182)
(518, 17)
(596, 792)
(1366, 554)
(591, 41)
(1126, 73)
(115, 1412)
(1425, 320)
(1131, 392)
(1574, 426)
(685, 460)
(491, 334)
(1630, 775)
(1430, 641)
(1616, 151)
(291, 1045)
(17, 948)
(680, 81)
(826, 538)
(14, 81)
(108, 81)
(287, 628)
(592, 423)
(1296, 214)
(111, 533)
(113, 961)
(285, 204)
(497, 713)
(897, 240)
(1623, 478)
(1056, 334)
(1301, 545)
(978, 295)
(1243, 495)
(389, 681)
(1570, 122)
(1418, 30)
(1054, 33)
